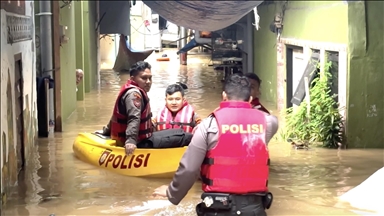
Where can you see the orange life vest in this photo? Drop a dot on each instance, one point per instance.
(183, 118)
(119, 120)
(239, 163)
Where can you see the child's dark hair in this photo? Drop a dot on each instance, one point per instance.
(173, 88)
(253, 76)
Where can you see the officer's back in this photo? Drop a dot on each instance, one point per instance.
(229, 147)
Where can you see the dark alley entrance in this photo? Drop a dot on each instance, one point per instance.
(20, 148)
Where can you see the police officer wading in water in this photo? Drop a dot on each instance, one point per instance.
(230, 149)
(131, 124)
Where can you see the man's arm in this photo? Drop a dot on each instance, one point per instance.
(272, 127)
(189, 168)
(107, 129)
(133, 102)
(196, 119)
(154, 124)
(262, 108)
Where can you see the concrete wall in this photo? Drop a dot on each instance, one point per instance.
(90, 45)
(304, 21)
(79, 32)
(354, 30)
(68, 62)
(37, 35)
(79, 52)
(8, 129)
(366, 69)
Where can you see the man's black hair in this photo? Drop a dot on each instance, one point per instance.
(237, 87)
(139, 67)
(173, 88)
(253, 76)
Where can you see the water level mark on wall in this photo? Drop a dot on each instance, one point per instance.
(372, 111)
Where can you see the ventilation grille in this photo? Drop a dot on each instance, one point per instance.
(19, 28)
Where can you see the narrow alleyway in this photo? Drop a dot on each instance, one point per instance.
(55, 182)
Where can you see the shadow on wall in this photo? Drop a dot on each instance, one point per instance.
(4, 170)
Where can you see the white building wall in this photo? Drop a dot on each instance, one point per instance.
(8, 153)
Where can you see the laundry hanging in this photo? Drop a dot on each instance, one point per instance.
(202, 15)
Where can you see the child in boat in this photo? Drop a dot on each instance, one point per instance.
(176, 113)
(255, 91)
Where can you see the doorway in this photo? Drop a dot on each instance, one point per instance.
(20, 148)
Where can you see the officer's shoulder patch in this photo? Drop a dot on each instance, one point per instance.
(137, 95)
(137, 102)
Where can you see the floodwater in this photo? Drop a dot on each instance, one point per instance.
(55, 182)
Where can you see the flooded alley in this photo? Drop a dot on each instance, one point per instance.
(55, 182)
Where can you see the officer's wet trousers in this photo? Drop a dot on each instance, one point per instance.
(169, 138)
(240, 205)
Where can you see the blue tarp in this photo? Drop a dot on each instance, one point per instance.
(202, 15)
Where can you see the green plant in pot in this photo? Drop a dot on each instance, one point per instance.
(318, 123)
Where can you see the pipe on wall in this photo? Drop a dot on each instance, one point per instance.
(46, 51)
(249, 42)
(182, 36)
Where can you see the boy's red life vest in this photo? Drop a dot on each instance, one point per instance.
(183, 118)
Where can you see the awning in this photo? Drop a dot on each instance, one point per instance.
(114, 17)
(202, 15)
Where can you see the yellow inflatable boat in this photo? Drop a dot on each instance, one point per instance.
(102, 152)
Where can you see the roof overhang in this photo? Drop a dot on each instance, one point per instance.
(202, 15)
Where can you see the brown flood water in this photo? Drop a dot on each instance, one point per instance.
(55, 182)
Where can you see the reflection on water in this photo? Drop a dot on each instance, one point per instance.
(303, 182)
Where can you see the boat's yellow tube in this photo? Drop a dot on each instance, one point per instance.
(103, 152)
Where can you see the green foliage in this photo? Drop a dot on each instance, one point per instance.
(324, 123)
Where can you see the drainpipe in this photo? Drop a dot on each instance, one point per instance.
(98, 44)
(178, 41)
(182, 35)
(46, 55)
(183, 56)
(249, 43)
